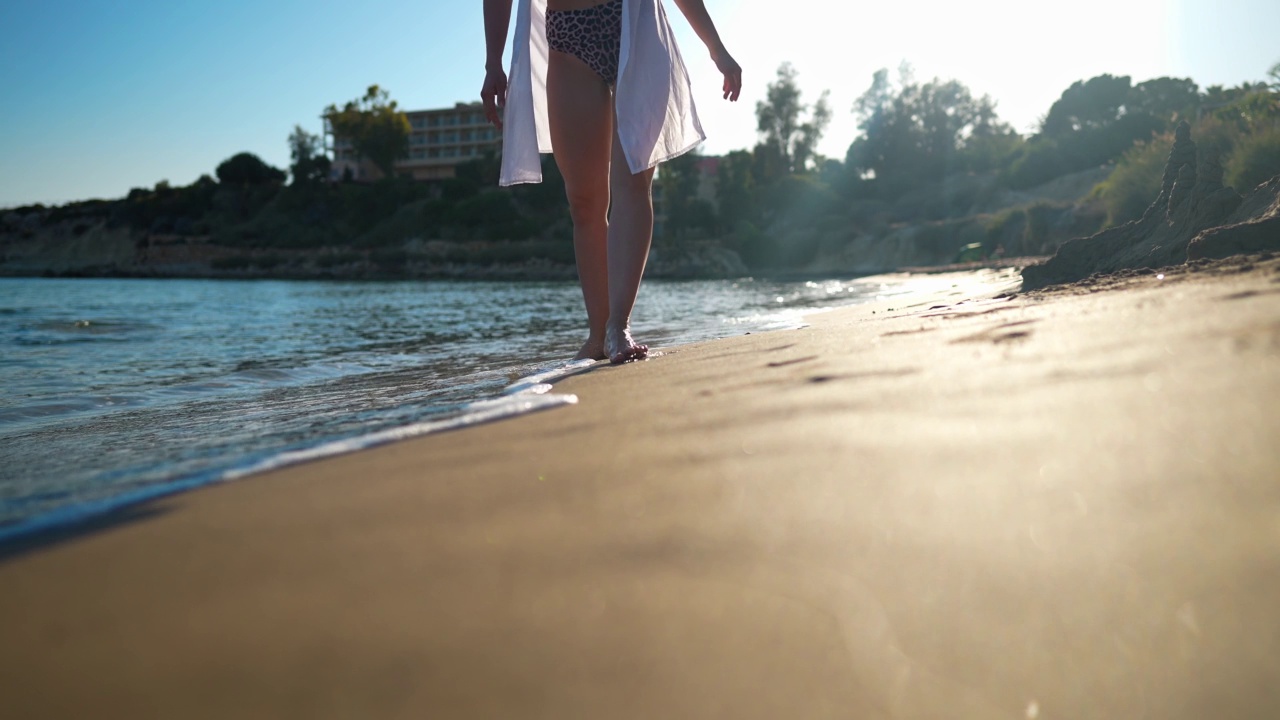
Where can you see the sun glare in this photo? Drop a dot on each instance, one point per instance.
(1023, 55)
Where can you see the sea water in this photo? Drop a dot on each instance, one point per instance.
(116, 390)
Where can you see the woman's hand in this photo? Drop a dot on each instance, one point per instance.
(494, 95)
(732, 74)
(695, 11)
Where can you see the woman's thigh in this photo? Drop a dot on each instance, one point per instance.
(580, 113)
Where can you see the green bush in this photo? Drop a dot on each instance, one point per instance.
(485, 253)
(938, 239)
(389, 258)
(1255, 160)
(248, 169)
(403, 224)
(362, 207)
(1135, 182)
(1007, 226)
(329, 260)
(235, 262)
(753, 245)
(1039, 162)
(1041, 217)
(267, 262)
(1046, 158)
(798, 196)
(487, 210)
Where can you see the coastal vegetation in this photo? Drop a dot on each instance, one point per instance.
(933, 176)
(375, 127)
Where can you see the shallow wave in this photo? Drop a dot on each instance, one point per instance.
(526, 395)
(148, 387)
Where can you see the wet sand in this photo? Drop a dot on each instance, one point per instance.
(1060, 505)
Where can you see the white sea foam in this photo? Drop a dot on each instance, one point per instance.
(539, 382)
(527, 395)
(476, 413)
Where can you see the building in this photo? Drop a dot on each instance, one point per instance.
(442, 139)
(439, 141)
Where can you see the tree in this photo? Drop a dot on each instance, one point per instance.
(735, 189)
(778, 121)
(1216, 96)
(915, 132)
(886, 132)
(1105, 101)
(375, 127)
(1274, 74)
(1164, 99)
(1255, 109)
(1096, 121)
(1093, 103)
(248, 169)
(310, 164)
(680, 179)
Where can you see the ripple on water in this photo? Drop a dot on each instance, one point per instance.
(116, 388)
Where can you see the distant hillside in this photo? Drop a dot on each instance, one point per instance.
(933, 178)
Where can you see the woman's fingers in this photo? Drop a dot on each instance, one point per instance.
(732, 72)
(490, 109)
(732, 82)
(493, 95)
(733, 86)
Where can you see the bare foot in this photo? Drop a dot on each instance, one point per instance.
(592, 349)
(621, 348)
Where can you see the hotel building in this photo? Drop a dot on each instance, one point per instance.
(442, 139)
(439, 141)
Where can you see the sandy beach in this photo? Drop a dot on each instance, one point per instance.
(973, 503)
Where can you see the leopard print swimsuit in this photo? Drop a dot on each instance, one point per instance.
(593, 35)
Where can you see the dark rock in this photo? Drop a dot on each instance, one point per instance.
(1182, 153)
(1249, 237)
(695, 260)
(1191, 203)
(1260, 234)
(1181, 191)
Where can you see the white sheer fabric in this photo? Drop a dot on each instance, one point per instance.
(656, 117)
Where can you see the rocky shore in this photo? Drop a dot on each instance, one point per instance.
(1194, 217)
(40, 244)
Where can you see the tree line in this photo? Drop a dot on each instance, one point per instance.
(915, 139)
(916, 136)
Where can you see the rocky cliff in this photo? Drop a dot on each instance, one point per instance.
(1194, 216)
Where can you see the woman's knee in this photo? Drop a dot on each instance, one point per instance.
(633, 188)
(588, 205)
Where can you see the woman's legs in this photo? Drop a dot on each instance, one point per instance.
(580, 112)
(610, 243)
(630, 234)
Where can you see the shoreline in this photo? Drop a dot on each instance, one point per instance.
(970, 503)
(227, 458)
(526, 272)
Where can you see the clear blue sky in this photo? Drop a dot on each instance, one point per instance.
(99, 97)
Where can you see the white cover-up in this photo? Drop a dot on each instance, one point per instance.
(655, 113)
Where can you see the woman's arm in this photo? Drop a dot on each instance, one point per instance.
(695, 11)
(497, 17)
